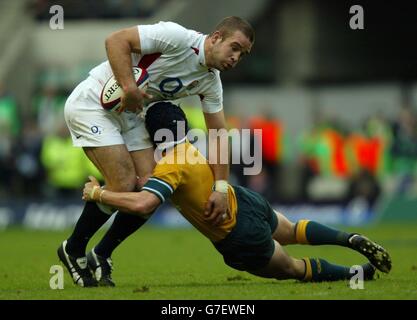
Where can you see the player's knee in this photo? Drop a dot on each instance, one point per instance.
(291, 233)
(287, 234)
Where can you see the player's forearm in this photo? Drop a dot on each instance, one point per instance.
(219, 161)
(218, 152)
(220, 171)
(119, 55)
(124, 201)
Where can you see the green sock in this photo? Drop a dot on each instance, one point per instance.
(314, 233)
(318, 270)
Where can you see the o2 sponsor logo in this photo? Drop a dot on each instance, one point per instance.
(96, 130)
(170, 86)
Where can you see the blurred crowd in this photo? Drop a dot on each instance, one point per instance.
(37, 159)
(331, 161)
(327, 162)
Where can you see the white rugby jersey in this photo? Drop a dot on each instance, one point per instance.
(174, 58)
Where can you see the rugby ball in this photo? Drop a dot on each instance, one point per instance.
(112, 92)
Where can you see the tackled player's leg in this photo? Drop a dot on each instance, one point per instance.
(285, 231)
(281, 266)
(313, 233)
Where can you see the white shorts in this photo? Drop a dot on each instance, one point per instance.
(92, 126)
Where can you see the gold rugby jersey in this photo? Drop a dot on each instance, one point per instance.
(185, 175)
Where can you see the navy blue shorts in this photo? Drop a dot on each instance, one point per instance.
(249, 246)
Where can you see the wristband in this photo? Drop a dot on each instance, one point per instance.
(101, 193)
(221, 186)
(92, 192)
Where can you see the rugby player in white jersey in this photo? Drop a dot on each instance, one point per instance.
(180, 63)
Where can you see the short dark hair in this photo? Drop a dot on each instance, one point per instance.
(165, 115)
(231, 24)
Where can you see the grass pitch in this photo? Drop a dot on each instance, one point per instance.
(181, 264)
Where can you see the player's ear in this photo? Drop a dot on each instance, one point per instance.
(216, 36)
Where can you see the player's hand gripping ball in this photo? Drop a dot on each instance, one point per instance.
(112, 92)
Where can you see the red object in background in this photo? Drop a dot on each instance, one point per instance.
(272, 132)
(367, 152)
(339, 165)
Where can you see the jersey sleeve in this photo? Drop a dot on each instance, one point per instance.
(165, 180)
(212, 98)
(161, 37)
